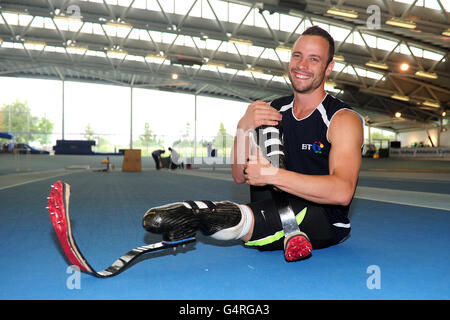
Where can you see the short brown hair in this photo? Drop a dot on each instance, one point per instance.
(317, 31)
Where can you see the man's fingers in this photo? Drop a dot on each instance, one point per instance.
(267, 118)
(253, 158)
(268, 113)
(260, 113)
(264, 122)
(266, 108)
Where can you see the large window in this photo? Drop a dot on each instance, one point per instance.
(39, 112)
(165, 119)
(381, 138)
(162, 120)
(31, 110)
(217, 121)
(97, 112)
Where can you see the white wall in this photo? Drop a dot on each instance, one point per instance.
(407, 138)
(445, 139)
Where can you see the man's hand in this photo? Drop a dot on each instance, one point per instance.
(257, 169)
(259, 113)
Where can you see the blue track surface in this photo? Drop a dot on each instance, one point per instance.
(409, 245)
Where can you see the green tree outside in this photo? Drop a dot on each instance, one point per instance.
(223, 141)
(89, 132)
(148, 140)
(17, 119)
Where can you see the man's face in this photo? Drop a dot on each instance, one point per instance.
(308, 66)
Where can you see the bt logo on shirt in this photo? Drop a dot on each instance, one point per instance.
(317, 147)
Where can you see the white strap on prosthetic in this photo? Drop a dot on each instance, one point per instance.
(232, 233)
(239, 230)
(287, 215)
(270, 148)
(276, 142)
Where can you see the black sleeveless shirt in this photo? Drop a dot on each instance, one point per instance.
(306, 142)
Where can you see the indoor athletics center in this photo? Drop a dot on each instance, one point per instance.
(93, 93)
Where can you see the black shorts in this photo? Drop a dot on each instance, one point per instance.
(323, 227)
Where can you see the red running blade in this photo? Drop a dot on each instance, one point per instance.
(58, 210)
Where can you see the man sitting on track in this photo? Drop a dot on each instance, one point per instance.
(309, 152)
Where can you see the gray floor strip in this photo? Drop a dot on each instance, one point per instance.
(410, 198)
(18, 179)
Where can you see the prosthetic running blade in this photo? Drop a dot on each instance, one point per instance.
(296, 243)
(58, 209)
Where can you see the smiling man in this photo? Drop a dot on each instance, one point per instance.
(308, 148)
(310, 64)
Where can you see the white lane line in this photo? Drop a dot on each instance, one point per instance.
(49, 175)
(410, 198)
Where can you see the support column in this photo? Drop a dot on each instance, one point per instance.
(439, 131)
(63, 105)
(195, 126)
(131, 117)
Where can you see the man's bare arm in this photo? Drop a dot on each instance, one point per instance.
(258, 113)
(346, 135)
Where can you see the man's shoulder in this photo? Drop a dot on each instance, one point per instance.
(280, 102)
(333, 104)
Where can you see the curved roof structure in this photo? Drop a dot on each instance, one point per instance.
(239, 49)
